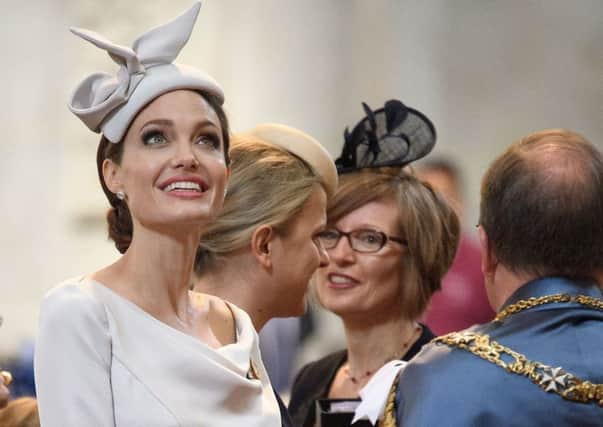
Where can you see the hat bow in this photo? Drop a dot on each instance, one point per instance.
(101, 93)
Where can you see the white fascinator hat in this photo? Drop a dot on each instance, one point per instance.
(303, 146)
(108, 103)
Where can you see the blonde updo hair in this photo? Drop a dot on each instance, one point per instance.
(267, 185)
(426, 220)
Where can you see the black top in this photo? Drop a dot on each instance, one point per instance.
(314, 380)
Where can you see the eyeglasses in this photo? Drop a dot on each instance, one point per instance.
(363, 241)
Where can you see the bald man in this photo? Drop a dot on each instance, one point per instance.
(540, 361)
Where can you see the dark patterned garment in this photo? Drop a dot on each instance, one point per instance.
(452, 386)
(314, 380)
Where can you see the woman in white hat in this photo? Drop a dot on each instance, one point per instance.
(262, 250)
(130, 344)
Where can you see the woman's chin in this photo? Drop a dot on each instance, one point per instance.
(191, 214)
(184, 221)
(342, 308)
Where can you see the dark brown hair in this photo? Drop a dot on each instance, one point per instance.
(425, 219)
(118, 217)
(542, 205)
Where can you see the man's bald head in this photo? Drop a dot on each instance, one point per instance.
(542, 205)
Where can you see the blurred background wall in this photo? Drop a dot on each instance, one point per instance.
(485, 71)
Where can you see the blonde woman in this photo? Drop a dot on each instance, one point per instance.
(262, 249)
(130, 344)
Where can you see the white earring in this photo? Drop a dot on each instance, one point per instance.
(225, 192)
(120, 195)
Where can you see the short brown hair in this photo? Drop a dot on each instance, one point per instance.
(426, 220)
(542, 205)
(267, 185)
(22, 412)
(118, 217)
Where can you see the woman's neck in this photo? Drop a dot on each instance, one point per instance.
(371, 346)
(155, 273)
(238, 285)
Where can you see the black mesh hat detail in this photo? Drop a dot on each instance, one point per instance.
(392, 136)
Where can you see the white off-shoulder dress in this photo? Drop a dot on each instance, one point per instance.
(103, 361)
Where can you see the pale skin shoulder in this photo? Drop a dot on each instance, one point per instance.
(219, 315)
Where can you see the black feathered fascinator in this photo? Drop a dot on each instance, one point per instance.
(393, 136)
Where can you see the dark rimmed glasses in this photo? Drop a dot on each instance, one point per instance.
(363, 240)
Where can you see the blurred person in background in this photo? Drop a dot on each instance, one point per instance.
(390, 239)
(131, 344)
(21, 366)
(462, 301)
(22, 412)
(5, 380)
(261, 250)
(538, 363)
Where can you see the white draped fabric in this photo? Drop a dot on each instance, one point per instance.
(103, 361)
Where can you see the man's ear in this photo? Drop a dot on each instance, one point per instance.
(262, 245)
(111, 176)
(489, 260)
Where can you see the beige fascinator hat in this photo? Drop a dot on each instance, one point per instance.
(303, 146)
(108, 103)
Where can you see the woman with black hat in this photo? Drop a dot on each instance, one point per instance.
(390, 239)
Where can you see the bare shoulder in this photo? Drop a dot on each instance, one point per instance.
(219, 315)
(220, 309)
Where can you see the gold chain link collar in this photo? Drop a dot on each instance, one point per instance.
(525, 304)
(389, 415)
(550, 379)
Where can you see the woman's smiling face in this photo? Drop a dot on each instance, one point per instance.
(364, 284)
(173, 169)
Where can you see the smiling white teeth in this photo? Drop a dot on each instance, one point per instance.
(339, 279)
(183, 185)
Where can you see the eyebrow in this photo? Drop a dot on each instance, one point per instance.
(167, 122)
(363, 226)
(164, 122)
(321, 227)
(209, 126)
